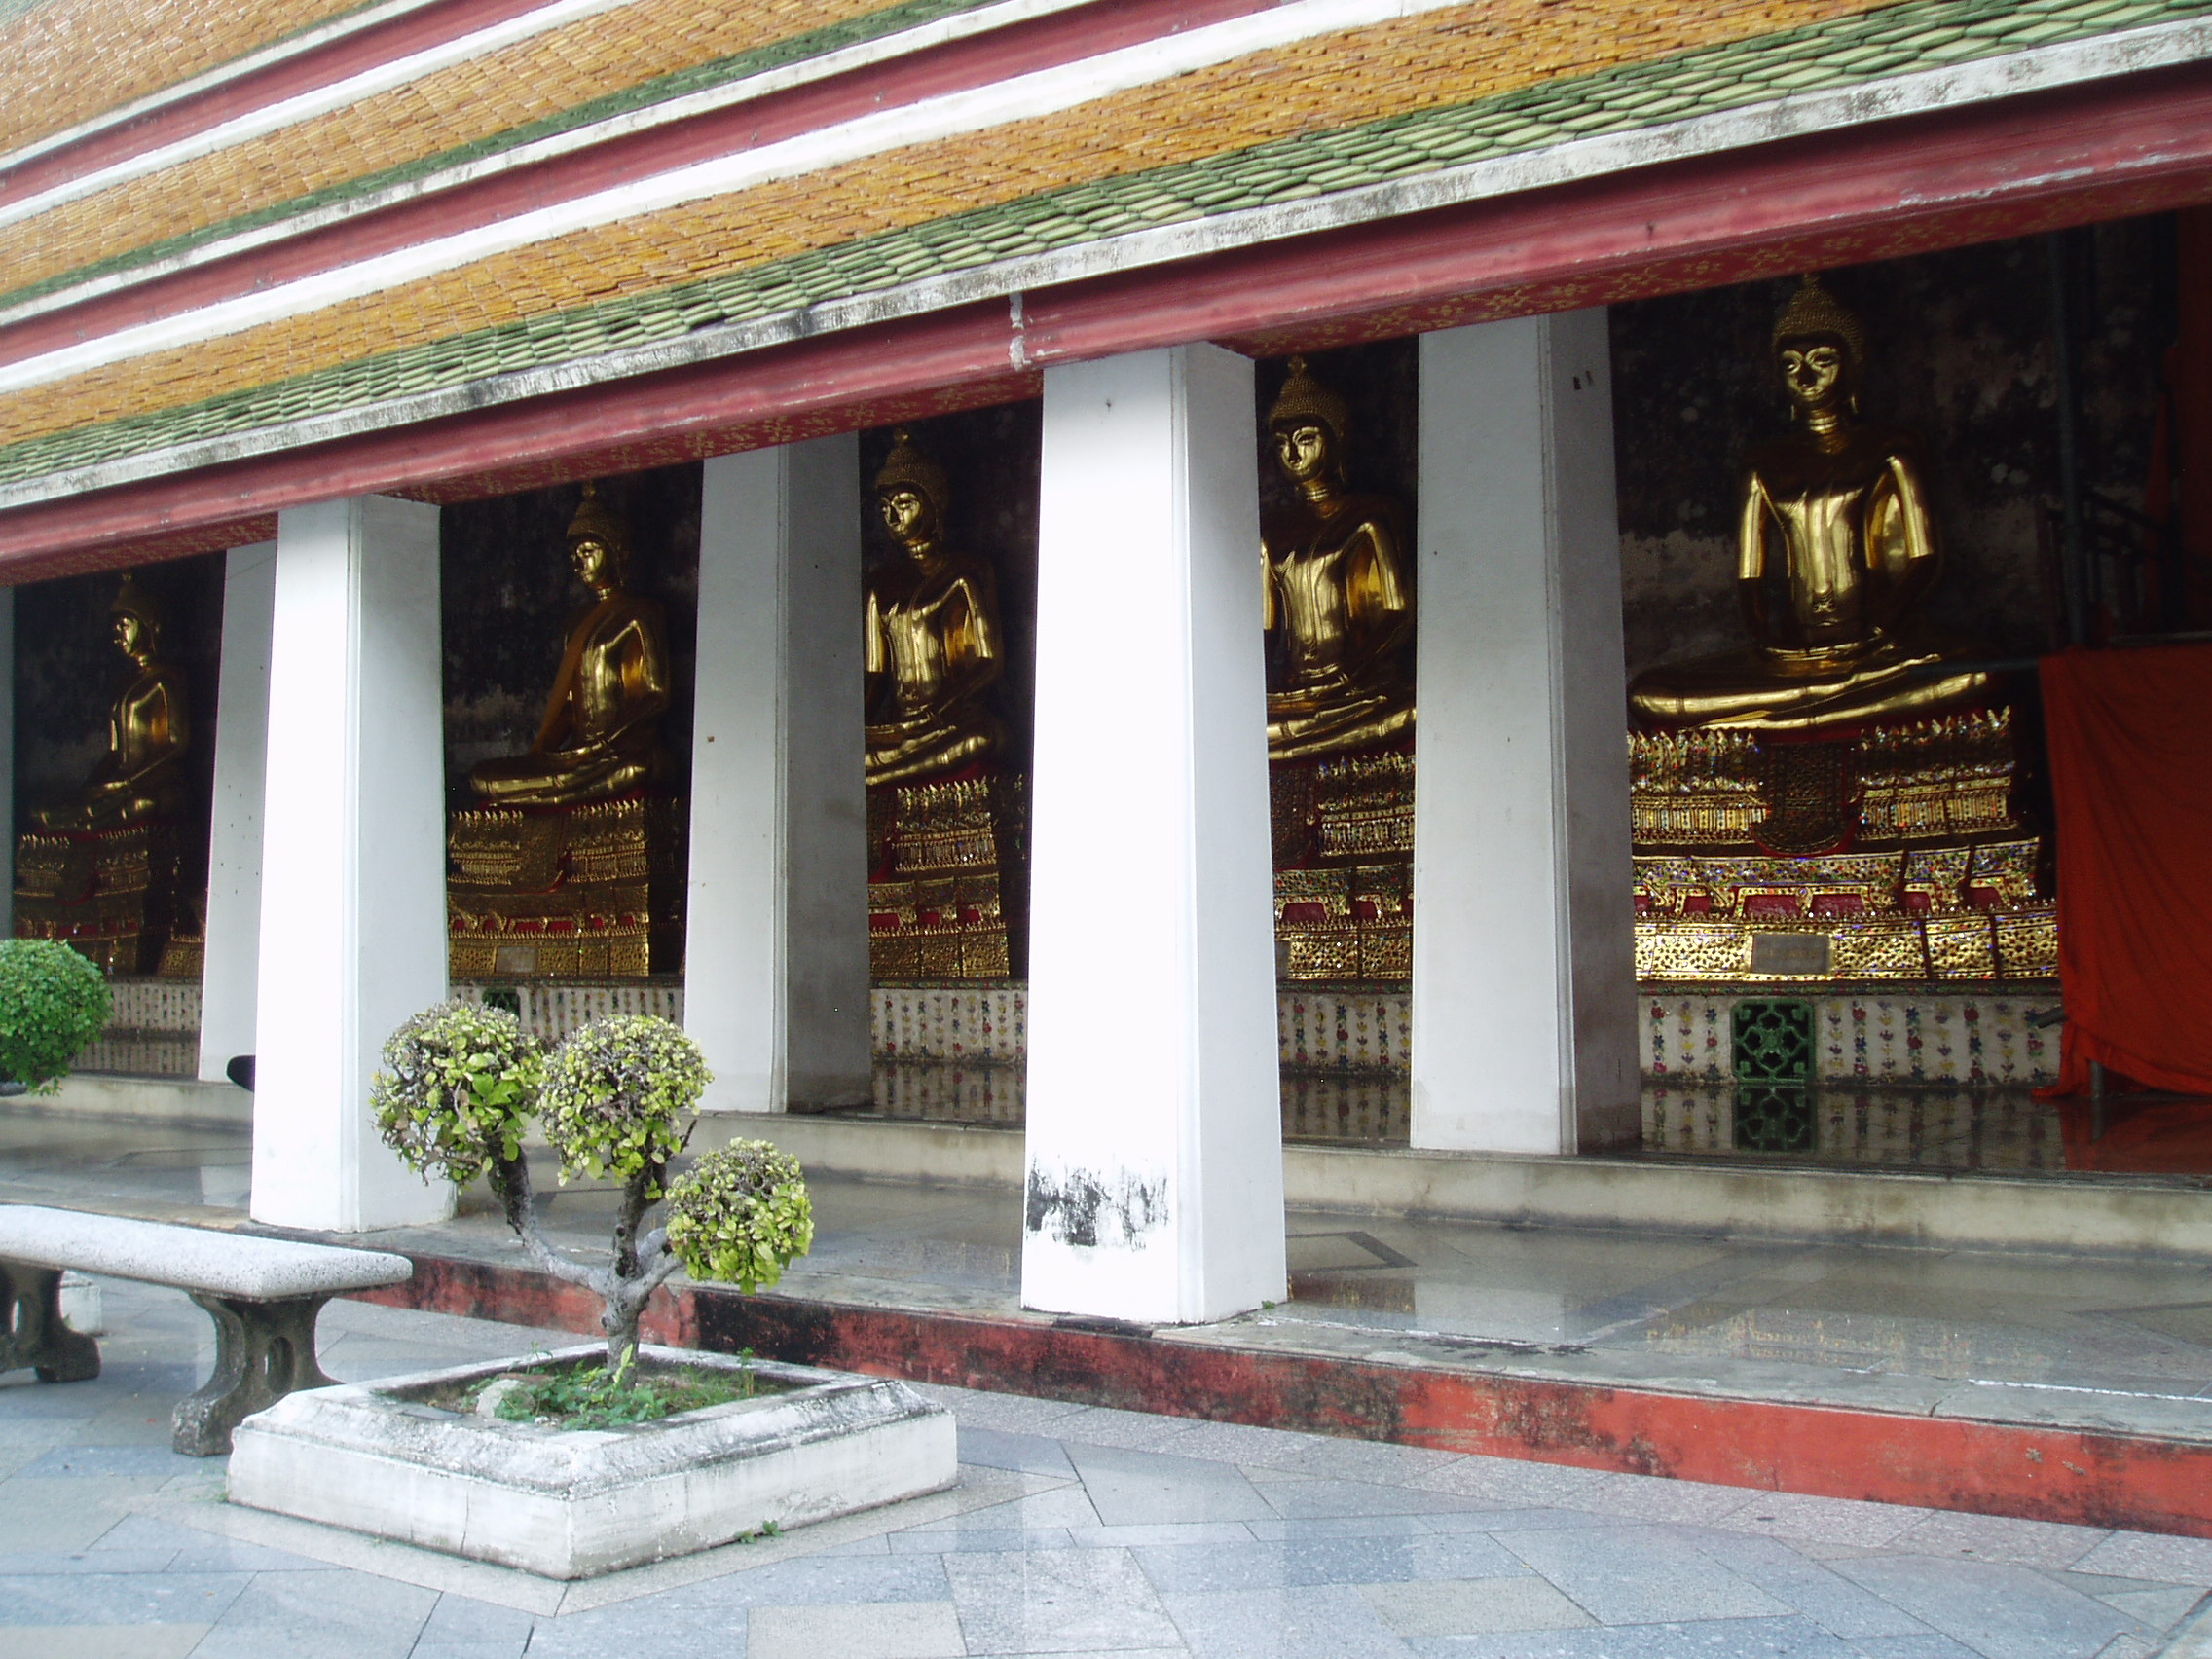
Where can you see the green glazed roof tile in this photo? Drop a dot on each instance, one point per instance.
(1910, 35)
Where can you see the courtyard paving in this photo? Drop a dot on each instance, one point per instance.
(1075, 1531)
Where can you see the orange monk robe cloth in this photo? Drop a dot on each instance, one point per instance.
(2130, 734)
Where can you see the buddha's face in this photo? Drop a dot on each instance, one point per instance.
(130, 633)
(592, 560)
(907, 515)
(1815, 370)
(1305, 450)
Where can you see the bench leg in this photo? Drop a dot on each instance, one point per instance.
(264, 1350)
(35, 1335)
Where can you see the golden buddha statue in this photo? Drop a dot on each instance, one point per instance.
(934, 646)
(1836, 552)
(149, 729)
(1338, 589)
(600, 734)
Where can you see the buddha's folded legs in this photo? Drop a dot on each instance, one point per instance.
(896, 755)
(1296, 734)
(560, 779)
(1729, 691)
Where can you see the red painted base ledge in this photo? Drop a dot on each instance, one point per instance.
(2035, 1472)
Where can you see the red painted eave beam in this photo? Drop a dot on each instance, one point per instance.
(2112, 150)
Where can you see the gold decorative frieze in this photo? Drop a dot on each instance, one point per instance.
(587, 892)
(945, 854)
(114, 895)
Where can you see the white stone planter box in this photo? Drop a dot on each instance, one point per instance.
(569, 1504)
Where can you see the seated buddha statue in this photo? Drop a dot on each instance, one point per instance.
(934, 646)
(1835, 551)
(149, 729)
(600, 734)
(1339, 591)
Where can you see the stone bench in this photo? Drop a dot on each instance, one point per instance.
(263, 1295)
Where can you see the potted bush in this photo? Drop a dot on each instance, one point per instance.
(52, 1002)
(592, 1459)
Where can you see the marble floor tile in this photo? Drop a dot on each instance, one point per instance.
(1473, 1607)
(1744, 1639)
(877, 1630)
(101, 1641)
(1326, 1621)
(1054, 1601)
(1999, 1611)
(1645, 1578)
(1134, 1488)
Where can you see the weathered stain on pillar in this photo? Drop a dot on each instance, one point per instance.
(1072, 1206)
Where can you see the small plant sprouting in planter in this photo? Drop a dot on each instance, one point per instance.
(52, 1002)
(462, 1082)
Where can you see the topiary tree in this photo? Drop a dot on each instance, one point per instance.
(52, 1002)
(462, 1082)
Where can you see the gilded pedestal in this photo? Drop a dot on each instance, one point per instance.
(118, 896)
(594, 891)
(1344, 851)
(949, 858)
(1893, 854)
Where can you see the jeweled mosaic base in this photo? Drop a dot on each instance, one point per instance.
(1343, 831)
(566, 893)
(1892, 855)
(118, 896)
(950, 881)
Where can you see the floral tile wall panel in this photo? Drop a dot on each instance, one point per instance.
(1937, 1039)
(1685, 1036)
(1349, 1029)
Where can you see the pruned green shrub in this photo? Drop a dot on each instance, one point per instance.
(615, 1092)
(741, 1215)
(459, 1083)
(52, 1002)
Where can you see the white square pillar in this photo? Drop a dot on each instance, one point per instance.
(229, 982)
(776, 974)
(1154, 1179)
(1524, 998)
(353, 864)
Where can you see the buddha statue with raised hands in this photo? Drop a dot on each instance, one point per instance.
(1835, 551)
(1339, 601)
(600, 734)
(934, 646)
(149, 729)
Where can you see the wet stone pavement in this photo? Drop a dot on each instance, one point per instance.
(1075, 1531)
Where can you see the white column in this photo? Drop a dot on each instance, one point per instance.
(1155, 1183)
(229, 983)
(776, 978)
(353, 868)
(1524, 1003)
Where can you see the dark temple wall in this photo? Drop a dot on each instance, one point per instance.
(508, 598)
(68, 672)
(993, 458)
(1962, 350)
